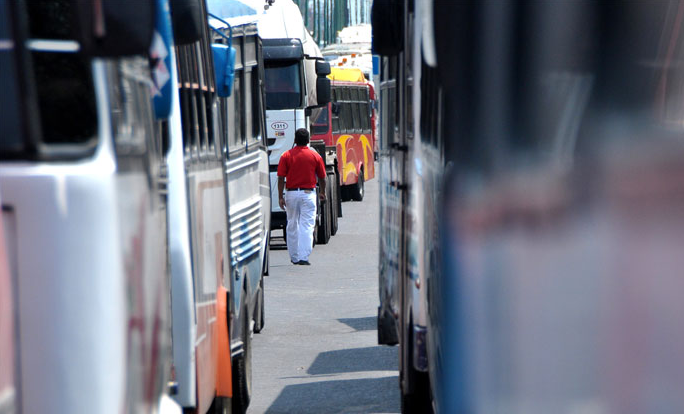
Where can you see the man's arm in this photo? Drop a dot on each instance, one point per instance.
(283, 167)
(281, 187)
(320, 173)
(321, 184)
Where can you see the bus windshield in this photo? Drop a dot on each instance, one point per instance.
(283, 85)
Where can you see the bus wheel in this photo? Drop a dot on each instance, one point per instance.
(242, 368)
(358, 189)
(417, 398)
(259, 319)
(333, 205)
(267, 255)
(344, 193)
(220, 405)
(323, 232)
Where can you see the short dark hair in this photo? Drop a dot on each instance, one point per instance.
(301, 136)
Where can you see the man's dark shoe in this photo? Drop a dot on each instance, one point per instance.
(295, 263)
(304, 262)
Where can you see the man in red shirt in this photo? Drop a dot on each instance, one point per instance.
(297, 171)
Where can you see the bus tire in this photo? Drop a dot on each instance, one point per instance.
(323, 233)
(242, 368)
(267, 255)
(387, 328)
(417, 399)
(338, 186)
(333, 205)
(358, 190)
(344, 193)
(259, 317)
(220, 405)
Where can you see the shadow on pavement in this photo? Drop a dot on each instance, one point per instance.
(369, 323)
(374, 358)
(368, 395)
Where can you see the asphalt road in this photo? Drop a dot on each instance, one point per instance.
(318, 350)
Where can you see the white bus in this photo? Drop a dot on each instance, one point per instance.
(248, 200)
(218, 209)
(80, 168)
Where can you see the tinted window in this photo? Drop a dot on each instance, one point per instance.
(256, 107)
(66, 97)
(346, 120)
(238, 138)
(365, 116)
(356, 119)
(249, 119)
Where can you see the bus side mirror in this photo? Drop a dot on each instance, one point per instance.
(186, 21)
(113, 28)
(323, 90)
(224, 68)
(161, 51)
(322, 68)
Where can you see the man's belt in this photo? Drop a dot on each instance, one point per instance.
(300, 189)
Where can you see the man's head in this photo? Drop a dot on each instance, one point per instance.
(301, 137)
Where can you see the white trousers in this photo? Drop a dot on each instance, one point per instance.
(301, 220)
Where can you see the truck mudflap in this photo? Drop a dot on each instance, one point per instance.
(387, 327)
(420, 359)
(224, 375)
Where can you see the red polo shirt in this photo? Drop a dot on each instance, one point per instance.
(300, 166)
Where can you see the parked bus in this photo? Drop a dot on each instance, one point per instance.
(197, 215)
(80, 168)
(348, 123)
(559, 219)
(411, 168)
(218, 168)
(248, 195)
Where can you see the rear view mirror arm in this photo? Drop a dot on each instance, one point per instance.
(230, 29)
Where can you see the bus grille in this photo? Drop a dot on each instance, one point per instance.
(246, 231)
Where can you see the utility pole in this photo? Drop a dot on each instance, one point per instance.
(316, 21)
(326, 22)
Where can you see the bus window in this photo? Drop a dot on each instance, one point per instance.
(392, 119)
(345, 117)
(346, 123)
(63, 80)
(254, 125)
(229, 122)
(134, 126)
(356, 119)
(235, 112)
(66, 97)
(334, 110)
(203, 121)
(283, 85)
(320, 125)
(365, 117)
(249, 105)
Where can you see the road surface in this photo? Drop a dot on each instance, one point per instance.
(318, 351)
